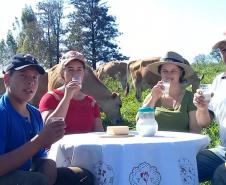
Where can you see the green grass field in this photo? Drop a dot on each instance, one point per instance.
(130, 105)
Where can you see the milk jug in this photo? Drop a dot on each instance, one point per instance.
(146, 124)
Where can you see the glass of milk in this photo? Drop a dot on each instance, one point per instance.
(78, 79)
(166, 84)
(206, 91)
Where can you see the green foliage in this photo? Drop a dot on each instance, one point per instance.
(209, 70)
(213, 132)
(205, 183)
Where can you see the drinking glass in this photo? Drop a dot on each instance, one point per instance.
(56, 119)
(206, 91)
(78, 79)
(166, 84)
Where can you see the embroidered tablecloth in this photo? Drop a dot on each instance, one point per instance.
(168, 158)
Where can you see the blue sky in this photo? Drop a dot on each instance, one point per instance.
(152, 27)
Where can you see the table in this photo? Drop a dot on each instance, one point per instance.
(168, 158)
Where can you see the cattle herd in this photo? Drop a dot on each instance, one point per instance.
(109, 102)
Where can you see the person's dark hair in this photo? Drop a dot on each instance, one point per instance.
(181, 79)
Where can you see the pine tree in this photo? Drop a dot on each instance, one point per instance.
(11, 44)
(4, 55)
(30, 39)
(50, 17)
(93, 32)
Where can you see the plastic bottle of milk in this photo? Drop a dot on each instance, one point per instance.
(146, 124)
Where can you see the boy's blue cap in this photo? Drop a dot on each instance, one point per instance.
(20, 61)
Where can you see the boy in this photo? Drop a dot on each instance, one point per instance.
(23, 136)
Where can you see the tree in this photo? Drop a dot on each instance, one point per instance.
(93, 32)
(11, 44)
(30, 39)
(50, 17)
(7, 49)
(215, 54)
(200, 58)
(4, 55)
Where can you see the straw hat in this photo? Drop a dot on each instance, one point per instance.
(172, 58)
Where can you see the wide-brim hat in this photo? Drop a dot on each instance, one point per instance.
(220, 44)
(172, 58)
(21, 61)
(72, 55)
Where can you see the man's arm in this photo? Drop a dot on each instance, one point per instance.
(203, 117)
(17, 157)
(14, 159)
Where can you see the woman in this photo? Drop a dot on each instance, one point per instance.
(80, 111)
(174, 110)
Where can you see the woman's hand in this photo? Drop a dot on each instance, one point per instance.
(72, 88)
(154, 96)
(157, 91)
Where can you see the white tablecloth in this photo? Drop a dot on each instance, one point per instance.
(168, 158)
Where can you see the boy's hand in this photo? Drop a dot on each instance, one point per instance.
(52, 132)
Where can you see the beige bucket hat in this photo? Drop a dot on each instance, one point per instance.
(173, 58)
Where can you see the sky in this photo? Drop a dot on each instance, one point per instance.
(152, 27)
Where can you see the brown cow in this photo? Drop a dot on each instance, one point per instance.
(109, 102)
(142, 78)
(114, 69)
(42, 89)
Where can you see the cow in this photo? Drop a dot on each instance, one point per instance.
(116, 70)
(42, 89)
(109, 102)
(142, 78)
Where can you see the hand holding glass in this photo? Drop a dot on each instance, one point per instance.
(78, 79)
(206, 91)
